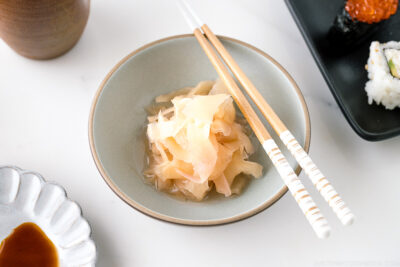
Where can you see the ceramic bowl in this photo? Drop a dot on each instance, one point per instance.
(118, 119)
(26, 197)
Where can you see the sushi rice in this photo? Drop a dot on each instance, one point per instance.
(383, 68)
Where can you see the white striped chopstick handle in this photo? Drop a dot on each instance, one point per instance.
(318, 179)
(297, 189)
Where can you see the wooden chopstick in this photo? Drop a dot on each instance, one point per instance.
(297, 189)
(318, 179)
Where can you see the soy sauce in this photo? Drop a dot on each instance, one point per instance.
(29, 246)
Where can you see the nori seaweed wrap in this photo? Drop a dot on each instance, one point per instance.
(358, 20)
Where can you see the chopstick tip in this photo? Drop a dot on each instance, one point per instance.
(348, 219)
(324, 232)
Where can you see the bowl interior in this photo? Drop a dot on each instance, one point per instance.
(118, 120)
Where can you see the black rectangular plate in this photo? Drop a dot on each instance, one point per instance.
(345, 73)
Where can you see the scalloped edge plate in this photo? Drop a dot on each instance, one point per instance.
(26, 197)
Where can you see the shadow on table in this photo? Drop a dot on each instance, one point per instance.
(106, 256)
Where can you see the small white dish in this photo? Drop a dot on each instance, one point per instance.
(26, 197)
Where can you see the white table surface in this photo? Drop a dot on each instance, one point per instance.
(44, 107)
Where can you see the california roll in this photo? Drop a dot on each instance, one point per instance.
(383, 69)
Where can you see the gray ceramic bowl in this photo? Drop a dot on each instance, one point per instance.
(117, 123)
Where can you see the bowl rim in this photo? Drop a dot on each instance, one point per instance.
(170, 219)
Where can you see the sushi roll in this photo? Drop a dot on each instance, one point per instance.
(358, 19)
(383, 69)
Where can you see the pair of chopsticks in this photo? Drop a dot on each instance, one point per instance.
(297, 189)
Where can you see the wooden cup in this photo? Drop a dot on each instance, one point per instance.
(42, 29)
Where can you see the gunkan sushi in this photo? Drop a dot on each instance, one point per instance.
(383, 69)
(358, 19)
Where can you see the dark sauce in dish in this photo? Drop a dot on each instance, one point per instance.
(29, 246)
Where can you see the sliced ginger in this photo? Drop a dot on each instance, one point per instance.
(196, 143)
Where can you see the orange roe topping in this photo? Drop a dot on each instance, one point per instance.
(371, 11)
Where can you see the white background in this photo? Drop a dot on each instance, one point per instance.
(44, 107)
